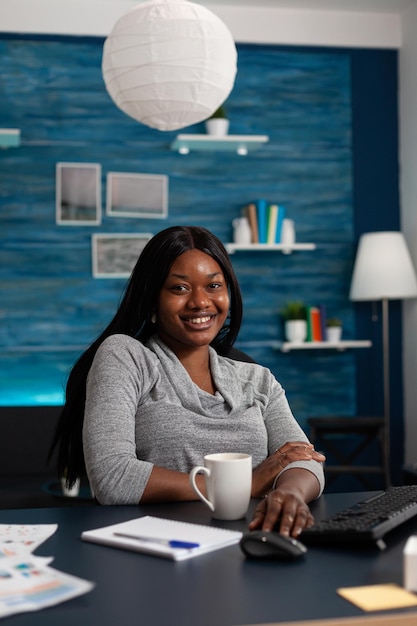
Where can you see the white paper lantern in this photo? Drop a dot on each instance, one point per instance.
(169, 63)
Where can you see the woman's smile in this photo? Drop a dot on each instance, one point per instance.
(201, 322)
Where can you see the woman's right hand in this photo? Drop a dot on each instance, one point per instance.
(264, 475)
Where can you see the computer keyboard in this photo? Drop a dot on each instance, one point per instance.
(367, 521)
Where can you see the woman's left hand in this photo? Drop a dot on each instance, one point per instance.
(266, 472)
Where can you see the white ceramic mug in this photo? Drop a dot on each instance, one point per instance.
(228, 484)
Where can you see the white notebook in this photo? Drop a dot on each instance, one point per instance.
(163, 537)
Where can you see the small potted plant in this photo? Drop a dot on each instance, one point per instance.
(333, 329)
(218, 124)
(295, 320)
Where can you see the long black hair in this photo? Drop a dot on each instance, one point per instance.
(133, 317)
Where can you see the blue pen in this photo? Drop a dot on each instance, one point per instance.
(172, 543)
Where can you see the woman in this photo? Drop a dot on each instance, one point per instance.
(153, 394)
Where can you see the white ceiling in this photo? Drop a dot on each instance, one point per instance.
(361, 6)
(364, 23)
(364, 6)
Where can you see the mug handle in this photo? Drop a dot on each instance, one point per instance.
(200, 470)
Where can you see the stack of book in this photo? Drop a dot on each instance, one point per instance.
(316, 323)
(265, 221)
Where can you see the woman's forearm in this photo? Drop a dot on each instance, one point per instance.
(266, 473)
(300, 480)
(166, 485)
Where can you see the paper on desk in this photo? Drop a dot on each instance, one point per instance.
(13, 536)
(27, 583)
(378, 597)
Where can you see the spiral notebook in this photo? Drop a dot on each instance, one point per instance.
(162, 537)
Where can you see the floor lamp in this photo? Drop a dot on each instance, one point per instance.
(383, 271)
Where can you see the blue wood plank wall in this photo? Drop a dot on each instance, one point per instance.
(51, 306)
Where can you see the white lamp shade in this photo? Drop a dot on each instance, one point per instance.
(383, 268)
(169, 63)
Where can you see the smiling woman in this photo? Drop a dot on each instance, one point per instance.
(160, 369)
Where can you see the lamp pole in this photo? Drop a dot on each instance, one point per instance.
(387, 412)
(384, 271)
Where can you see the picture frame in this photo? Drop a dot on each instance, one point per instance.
(114, 255)
(78, 194)
(137, 195)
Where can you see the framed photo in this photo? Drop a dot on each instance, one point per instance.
(115, 255)
(137, 195)
(78, 194)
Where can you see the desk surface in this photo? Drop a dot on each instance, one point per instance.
(221, 588)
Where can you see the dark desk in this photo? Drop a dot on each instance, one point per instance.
(217, 589)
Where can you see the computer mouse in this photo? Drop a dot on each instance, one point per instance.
(260, 544)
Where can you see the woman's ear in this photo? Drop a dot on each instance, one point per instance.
(153, 318)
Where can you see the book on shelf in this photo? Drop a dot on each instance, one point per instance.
(323, 321)
(309, 327)
(314, 332)
(271, 235)
(262, 215)
(250, 213)
(281, 216)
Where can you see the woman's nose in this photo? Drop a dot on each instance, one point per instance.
(198, 299)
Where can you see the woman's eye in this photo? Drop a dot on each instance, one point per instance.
(215, 285)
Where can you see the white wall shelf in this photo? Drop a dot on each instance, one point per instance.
(287, 346)
(265, 247)
(241, 144)
(9, 137)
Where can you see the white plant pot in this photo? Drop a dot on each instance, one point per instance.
(73, 491)
(334, 333)
(296, 331)
(217, 126)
